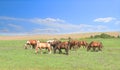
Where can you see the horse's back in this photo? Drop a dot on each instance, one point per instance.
(43, 45)
(32, 42)
(95, 43)
(63, 45)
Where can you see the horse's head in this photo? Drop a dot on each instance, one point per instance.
(28, 42)
(25, 46)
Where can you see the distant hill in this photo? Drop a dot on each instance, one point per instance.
(74, 36)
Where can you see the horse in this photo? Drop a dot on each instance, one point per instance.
(41, 46)
(30, 43)
(82, 43)
(73, 44)
(61, 45)
(50, 42)
(94, 45)
(54, 43)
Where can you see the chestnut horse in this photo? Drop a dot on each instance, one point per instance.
(42, 46)
(82, 43)
(73, 44)
(31, 43)
(94, 45)
(61, 45)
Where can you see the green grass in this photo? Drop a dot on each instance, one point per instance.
(14, 57)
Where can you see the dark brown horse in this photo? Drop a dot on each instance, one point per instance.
(94, 45)
(62, 45)
(84, 44)
(54, 43)
(30, 43)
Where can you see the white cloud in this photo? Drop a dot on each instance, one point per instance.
(12, 18)
(46, 30)
(46, 21)
(56, 25)
(15, 26)
(7, 18)
(106, 20)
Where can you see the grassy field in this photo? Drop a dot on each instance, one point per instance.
(14, 57)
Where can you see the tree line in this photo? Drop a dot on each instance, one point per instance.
(103, 35)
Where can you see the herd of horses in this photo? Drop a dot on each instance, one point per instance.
(59, 45)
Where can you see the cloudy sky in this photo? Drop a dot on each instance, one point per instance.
(58, 16)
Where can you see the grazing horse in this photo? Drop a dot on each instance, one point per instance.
(94, 45)
(42, 46)
(73, 44)
(82, 43)
(62, 45)
(30, 43)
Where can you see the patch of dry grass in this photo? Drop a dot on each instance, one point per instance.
(74, 35)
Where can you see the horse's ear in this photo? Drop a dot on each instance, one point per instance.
(28, 42)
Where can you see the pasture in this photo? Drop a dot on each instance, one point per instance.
(14, 57)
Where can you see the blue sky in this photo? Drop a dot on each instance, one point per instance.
(58, 16)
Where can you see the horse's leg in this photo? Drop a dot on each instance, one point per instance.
(55, 50)
(70, 46)
(85, 46)
(31, 46)
(99, 48)
(94, 48)
(49, 49)
(73, 47)
(36, 50)
(88, 48)
(66, 49)
(40, 50)
(79, 46)
(60, 51)
(82, 46)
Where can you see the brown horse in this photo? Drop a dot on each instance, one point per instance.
(62, 45)
(94, 45)
(30, 43)
(54, 43)
(73, 44)
(82, 43)
(42, 46)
